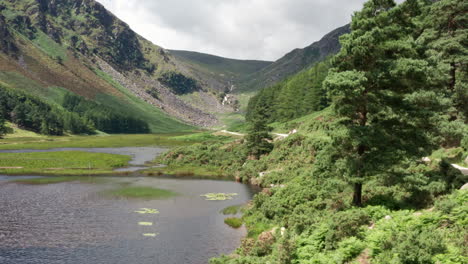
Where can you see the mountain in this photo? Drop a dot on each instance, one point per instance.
(295, 61)
(52, 48)
(223, 67)
(48, 47)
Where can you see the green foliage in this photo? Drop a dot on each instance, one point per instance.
(381, 92)
(232, 210)
(258, 136)
(179, 83)
(445, 33)
(3, 127)
(142, 192)
(34, 114)
(103, 118)
(233, 222)
(63, 162)
(294, 97)
(50, 47)
(59, 179)
(157, 120)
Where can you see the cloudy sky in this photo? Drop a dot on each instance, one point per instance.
(243, 29)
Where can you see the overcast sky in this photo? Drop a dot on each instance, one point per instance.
(242, 29)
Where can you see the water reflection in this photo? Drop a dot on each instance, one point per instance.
(77, 223)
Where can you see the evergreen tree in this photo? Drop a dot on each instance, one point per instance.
(381, 93)
(258, 134)
(3, 128)
(446, 35)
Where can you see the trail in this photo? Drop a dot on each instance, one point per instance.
(242, 135)
(460, 168)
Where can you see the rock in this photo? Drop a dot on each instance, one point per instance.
(267, 191)
(283, 230)
(266, 238)
(387, 217)
(294, 131)
(464, 187)
(426, 159)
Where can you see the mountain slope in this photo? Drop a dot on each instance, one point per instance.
(223, 67)
(294, 61)
(81, 47)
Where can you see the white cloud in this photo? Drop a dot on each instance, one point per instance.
(245, 29)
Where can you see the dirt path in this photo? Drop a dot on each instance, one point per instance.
(460, 168)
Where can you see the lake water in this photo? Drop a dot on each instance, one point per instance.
(79, 223)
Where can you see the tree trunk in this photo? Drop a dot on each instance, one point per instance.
(453, 76)
(357, 196)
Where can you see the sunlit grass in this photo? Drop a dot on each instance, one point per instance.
(110, 141)
(232, 210)
(61, 163)
(142, 192)
(233, 222)
(62, 179)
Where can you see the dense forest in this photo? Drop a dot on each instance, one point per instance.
(294, 97)
(369, 178)
(76, 115)
(104, 118)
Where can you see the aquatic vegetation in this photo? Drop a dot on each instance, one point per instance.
(108, 141)
(150, 235)
(219, 196)
(147, 211)
(232, 210)
(61, 162)
(142, 192)
(55, 180)
(233, 222)
(145, 223)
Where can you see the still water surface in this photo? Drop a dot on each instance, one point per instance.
(78, 223)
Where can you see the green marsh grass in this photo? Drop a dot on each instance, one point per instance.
(232, 210)
(111, 141)
(60, 179)
(142, 192)
(61, 163)
(233, 222)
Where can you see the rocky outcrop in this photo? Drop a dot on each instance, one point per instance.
(166, 100)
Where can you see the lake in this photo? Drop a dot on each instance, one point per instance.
(79, 223)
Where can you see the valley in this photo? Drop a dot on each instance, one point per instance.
(352, 150)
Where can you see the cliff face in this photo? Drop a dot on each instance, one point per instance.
(295, 61)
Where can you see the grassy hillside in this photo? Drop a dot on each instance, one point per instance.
(224, 67)
(294, 62)
(304, 214)
(52, 61)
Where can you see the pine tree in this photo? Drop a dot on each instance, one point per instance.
(446, 35)
(258, 134)
(3, 128)
(381, 93)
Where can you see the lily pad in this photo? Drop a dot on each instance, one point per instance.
(150, 235)
(145, 223)
(147, 211)
(219, 196)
